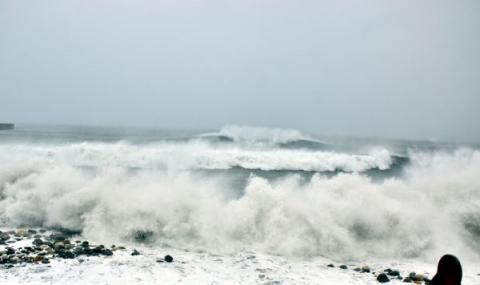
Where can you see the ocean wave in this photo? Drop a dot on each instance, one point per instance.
(202, 156)
(257, 135)
(433, 209)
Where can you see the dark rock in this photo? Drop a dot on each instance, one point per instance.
(107, 252)
(85, 244)
(407, 280)
(331, 265)
(45, 261)
(343, 266)
(65, 254)
(393, 273)
(42, 230)
(168, 258)
(57, 237)
(365, 269)
(135, 252)
(97, 250)
(383, 278)
(30, 231)
(79, 250)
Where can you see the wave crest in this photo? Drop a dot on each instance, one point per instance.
(432, 210)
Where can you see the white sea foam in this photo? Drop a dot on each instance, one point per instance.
(432, 210)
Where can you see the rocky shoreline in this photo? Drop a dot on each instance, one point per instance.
(33, 246)
(39, 246)
(388, 274)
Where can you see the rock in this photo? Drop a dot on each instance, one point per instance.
(365, 269)
(331, 265)
(407, 280)
(107, 252)
(21, 233)
(65, 254)
(59, 245)
(32, 232)
(393, 273)
(85, 244)
(358, 269)
(14, 259)
(383, 278)
(97, 250)
(343, 266)
(57, 237)
(135, 252)
(38, 258)
(417, 277)
(42, 230)
(168, 258)
(45, 261)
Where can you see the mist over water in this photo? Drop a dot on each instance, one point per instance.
(243, 188)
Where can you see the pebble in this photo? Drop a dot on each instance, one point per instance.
(168, 258)
(135, 252)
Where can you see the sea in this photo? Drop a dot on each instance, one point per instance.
(240, 205)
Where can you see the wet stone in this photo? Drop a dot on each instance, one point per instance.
(168, 258)
(393, 273)
(65, 254)
(365, 269)
(343, 266)
(135, 252)
(383, 278)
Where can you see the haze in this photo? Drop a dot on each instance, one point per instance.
(403, 69)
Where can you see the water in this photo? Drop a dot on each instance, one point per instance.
(289, 196)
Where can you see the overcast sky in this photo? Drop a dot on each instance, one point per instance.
(405, 69)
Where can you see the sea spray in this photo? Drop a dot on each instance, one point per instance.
(109, 191)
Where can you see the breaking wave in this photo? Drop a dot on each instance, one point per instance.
(202, 156)
(260, 136)
(434, 207)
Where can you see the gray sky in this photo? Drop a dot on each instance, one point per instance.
(408, 68)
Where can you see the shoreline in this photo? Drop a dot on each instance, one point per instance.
(33, 252)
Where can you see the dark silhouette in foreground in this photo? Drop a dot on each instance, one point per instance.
(449, 271)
